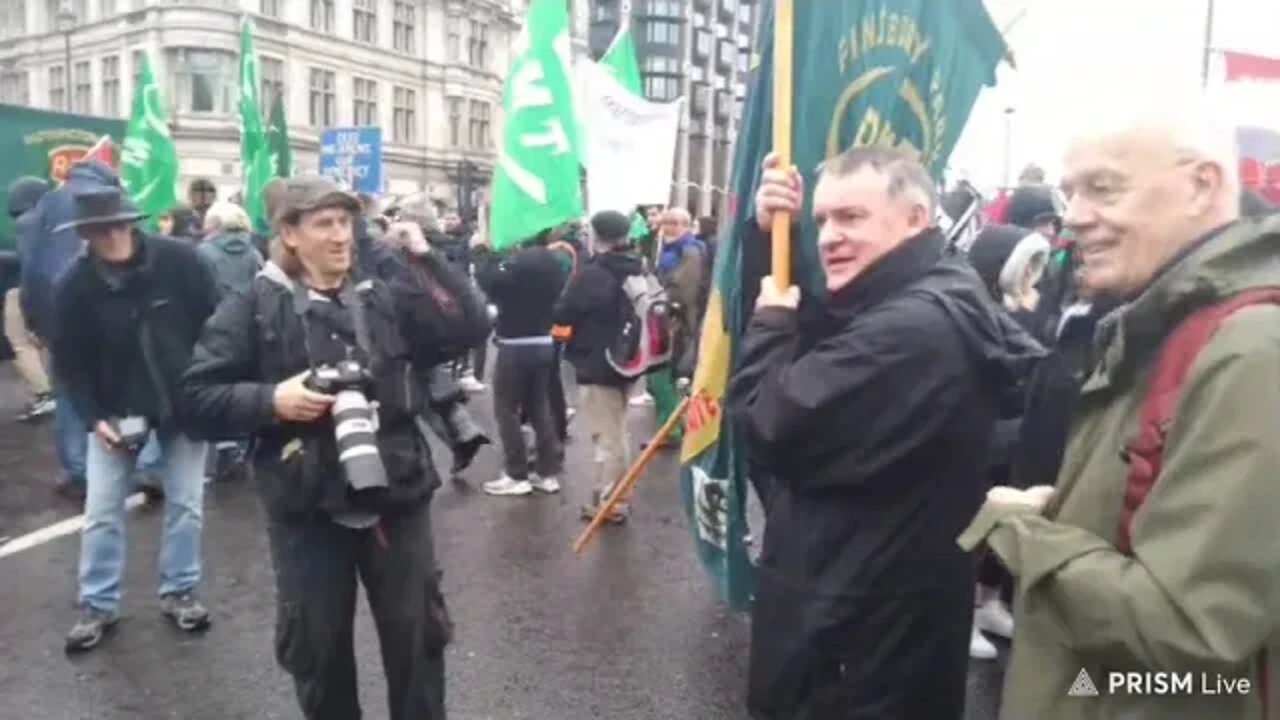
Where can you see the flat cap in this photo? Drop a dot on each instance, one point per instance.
(304, 193)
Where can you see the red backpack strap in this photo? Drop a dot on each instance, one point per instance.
(1145, 453)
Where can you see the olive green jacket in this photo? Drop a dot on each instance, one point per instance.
(1200, 597)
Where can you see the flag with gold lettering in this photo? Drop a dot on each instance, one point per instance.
(893, 72)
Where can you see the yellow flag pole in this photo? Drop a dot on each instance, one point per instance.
(783, 63)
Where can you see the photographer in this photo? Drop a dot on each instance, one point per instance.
(445, 408)
(299, 362)
(127, 314)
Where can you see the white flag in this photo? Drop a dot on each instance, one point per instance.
(630, 144)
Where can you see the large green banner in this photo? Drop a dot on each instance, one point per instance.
(44, 144)
(892, 72)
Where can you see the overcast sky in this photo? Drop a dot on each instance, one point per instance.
(1067, 49)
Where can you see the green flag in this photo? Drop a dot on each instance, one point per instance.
(536, 185)
(255, 154)
(897, 72)
(149, 161)
(621, 59)
(278, 140)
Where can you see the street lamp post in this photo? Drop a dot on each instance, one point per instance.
(66, 23)
(1008, 146)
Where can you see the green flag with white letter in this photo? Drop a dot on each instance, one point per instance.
(536, 185)
(149, 161)
(255, 154)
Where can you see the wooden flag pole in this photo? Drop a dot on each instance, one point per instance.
(783, 63)
(622, 488)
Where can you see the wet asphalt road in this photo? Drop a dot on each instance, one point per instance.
(631, 631)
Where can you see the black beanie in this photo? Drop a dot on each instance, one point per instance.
(991, 250)
(1030, 206)
(611, 226)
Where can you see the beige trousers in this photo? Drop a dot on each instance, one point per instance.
(603, 411)
(29, 354)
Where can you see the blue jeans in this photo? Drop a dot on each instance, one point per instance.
(102, 542)
(72, 442)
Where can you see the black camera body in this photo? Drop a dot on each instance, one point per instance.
(355, 422)
(339, 377)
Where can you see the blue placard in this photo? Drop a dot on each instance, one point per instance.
(352, 157)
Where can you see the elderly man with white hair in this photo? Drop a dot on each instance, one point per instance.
(1149, 579)
(228, 247)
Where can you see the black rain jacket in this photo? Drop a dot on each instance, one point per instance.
(873, 413)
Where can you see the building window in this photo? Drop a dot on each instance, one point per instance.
(664, 8)
(478, 45)
(667, 65)
(744, 61)
(364, 18)
(111, 86)
(455, 39)
(82, 100)
(404, 121)
(455, 121)
(403, 27)
(57, 88)
(602, 13)
(15, 88)
(478, 129)
(702, 44)
(661, 87)
(271, 76)
(322, 15)
(271, 8)
(13, 18)
(206, 80)
(662, 32)
(365, 102)
(727, 56)
(324, 102)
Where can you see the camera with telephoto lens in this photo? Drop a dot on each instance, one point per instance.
(133, 432)
(354, 422)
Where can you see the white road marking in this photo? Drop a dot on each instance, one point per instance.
(59, 529)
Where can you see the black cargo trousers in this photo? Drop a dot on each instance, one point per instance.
(316, 562)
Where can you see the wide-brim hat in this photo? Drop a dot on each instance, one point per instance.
(98, 203)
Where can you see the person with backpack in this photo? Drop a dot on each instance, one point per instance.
(1155, 551)
(594, 309)
(680, 267)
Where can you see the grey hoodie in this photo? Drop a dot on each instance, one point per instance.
(234, 259)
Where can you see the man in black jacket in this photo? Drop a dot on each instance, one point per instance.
(128, 313)
(525, 286)
(872, 408)
(591, 306)
(328, 517)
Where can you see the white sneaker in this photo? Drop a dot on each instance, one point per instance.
(505, 485)
(993, 617)
(471, 385)
(980, 648)
(547, 485)
(642, 400)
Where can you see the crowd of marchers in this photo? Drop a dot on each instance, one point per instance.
(1051, 419)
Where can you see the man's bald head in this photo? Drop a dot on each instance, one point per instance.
(1143, 185)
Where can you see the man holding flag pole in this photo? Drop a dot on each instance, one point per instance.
(871, 369)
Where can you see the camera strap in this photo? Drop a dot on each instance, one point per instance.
(353, 301)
